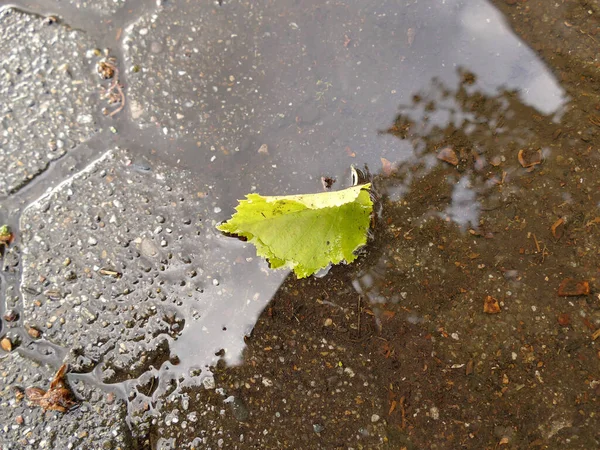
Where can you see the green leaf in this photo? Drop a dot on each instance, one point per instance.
(305, 232)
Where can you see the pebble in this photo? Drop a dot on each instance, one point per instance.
(209, 382)
(33, 332)
(6, 344)
(375, 418)
(70, 276)
(88, 315)
(318, 427)
(238, 408)
(148, 248)
(11, 315)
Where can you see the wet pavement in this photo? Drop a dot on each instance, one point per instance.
(470, 320)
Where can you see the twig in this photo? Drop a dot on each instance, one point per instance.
(359, 314)
(403, 412)
(121, 101)
(109, 93)
(537, 244)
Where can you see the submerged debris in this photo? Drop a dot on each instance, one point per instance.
(108, 70)
(491, 305)
(564, 319)
(529, 158)
(6, 235)
(448, 155)
(327, 182)
(572, 288)
(57, 398)
(388, 168)
(557, 228)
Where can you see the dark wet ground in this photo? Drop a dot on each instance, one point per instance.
(480, 125)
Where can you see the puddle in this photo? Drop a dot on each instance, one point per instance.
(223, 100)
(270, 98)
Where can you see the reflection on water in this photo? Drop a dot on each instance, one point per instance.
(324, 80)
(464, 207)
(312, 82)
(503, 59)
(473, 146)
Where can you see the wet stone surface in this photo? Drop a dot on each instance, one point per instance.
(48, 95)
(192, 74)
(106, 264)
(97, 418)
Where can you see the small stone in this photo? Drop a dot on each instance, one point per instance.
(92, 240)
(88, 315)
(491, 305)
(318, 427)
(264, 149)
(19, 393)
(70, 276)
(208, 383)
(375, 418)
(148, 248)
(328, 322)
(434, 412)
(11, 315)
(564, 319)
(19, 420)
(34, 332)
(6, 344)
(238, 408)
